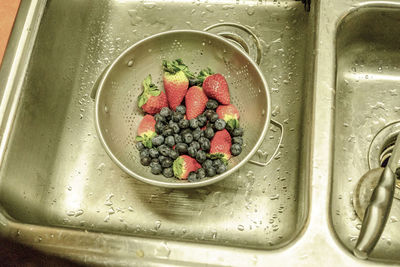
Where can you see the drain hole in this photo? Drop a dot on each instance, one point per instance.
(387, 151)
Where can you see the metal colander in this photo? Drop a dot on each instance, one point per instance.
(118, 116)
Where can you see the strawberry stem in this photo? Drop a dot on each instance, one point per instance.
(176, 66)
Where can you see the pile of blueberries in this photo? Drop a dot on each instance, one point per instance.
(186, 135)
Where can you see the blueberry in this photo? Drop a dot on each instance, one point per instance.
(204, 143)
(192, 177)
(236, 149)
(237, 140)
(144, 153)
(192, 151)
(168, 172)
(195, 145)
(208, 113)
(183, 124)
(161, 158)
(178, 138)
(168, 131)
(187, 138)
(140, 146)
(194, 123)
(217, 162)
(237, 132)
(201, 156)
(220, 124)
(176, 117)
(207, 163)
(156, 168)
(214, 117)
(202, 119)
(159, 118)
(173, 154)
(158, 140)
(155, 160)
(196, 133)
(181, 148)
(159, 127)
(167, 162)
(174, 126)
(186, 131)
(210, 171)
(209, 133)
(165, 112)
(212, 104)
(164, 150)
(145, 161)
(153, 153)
(181, 109)
(201, 173)
(221, 168)
(170, 141)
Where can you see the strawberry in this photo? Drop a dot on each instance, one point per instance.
(183, 165)
(215, 86)
(221, 146)
(229, 114)
(195, 101)
(146, 130)
(176, 81)
(152, 100)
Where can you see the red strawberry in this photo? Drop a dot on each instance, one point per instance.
(221, 145)
(176, 81)
(146, 130)
(152, 100)
(215, 86)
(183, 165)
(230, 114)
(195, 101)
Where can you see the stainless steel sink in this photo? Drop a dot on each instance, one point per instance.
(367, 103)
(60, 193)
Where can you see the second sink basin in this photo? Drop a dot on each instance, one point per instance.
(367, 103)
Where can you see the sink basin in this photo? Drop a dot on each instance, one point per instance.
(55, 174)
(367, 94)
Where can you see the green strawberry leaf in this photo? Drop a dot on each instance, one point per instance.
(177, 167)
(147, 143)
(142, 99)
(176, 66)
(233, 124)
(204, 74)
(215, 156)
(139, 138)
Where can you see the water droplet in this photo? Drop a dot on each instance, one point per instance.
(69, 188)
(111, 211)
(105, 109)
(108, 201)
(274, 197)
(140, 253)
(130, 208)
(393, 219)
(130, 63)
(358, 226)
(78, 213)
(163, 250)
(158, 225)
(250, 11)
(240, 227)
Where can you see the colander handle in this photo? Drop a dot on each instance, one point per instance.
(263, 164)
(252, 46)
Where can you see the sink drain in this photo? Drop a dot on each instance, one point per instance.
(387, 151)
